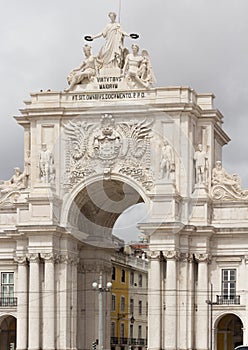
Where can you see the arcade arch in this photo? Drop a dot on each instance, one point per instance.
(94, 209)
(7, 331)
(229, 332)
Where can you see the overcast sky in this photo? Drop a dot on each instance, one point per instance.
(196, 43)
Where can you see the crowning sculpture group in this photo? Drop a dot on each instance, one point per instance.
(133, 67)
(136, 70)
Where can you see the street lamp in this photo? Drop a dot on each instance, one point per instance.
(101, 289)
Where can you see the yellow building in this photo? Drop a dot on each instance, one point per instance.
(119, 303)
(128, 302)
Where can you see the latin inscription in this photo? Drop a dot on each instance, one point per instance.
(108, 96)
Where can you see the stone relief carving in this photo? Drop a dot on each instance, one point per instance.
(85, 72)
(46, 165)
(167, 162)
(123, 147)
(201, 165)
(138, 69)
(16, 183)
(225, 186)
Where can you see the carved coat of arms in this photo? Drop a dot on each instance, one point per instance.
(110, 145)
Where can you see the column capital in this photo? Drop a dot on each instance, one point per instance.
(21, 260)
(49, 257)
(171, 254)
(184, 257)
(68, 259)
(203, 257)
(154, 254)
(33, 257)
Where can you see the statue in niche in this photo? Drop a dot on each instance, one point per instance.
(138, 68)
(46, 167)
(27, 167)
(221, 177)
(201, 165)
(167, 163)
(111, 54)
(85, 72)
(15, 183)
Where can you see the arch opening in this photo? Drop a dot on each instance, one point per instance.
(229, 332)
(97, 206)
(7, 332)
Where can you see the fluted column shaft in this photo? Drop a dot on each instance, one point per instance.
(49, 303)
(202, 320)
(34, 303)
(170, 322)
(154, 302)
(22, 305)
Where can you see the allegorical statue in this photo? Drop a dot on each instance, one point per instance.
(111, 53)
(221, 177)
(46, 166)
(138, 69)
(85, 71)
(15, 183)
(167, 163)
(201, 165)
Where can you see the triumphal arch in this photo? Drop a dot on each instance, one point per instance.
(108, 141)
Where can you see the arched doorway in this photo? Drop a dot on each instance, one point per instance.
(229, 332)
(95, 209)
(7, 332)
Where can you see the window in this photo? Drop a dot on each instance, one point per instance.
(228, 283)
(113, 273)
(113, 302)
(131, 306)
(131, 278)
(131, 331)
(146, 308)
(140, 307)
(112, 329)
(7, 284)
(122, 330)
(140, 280)
(7, 289)
(123, 276)
(140, 332)
(122, 304)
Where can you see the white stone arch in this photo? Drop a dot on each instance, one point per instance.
(7, 335)
(218, 317)
(70, 197)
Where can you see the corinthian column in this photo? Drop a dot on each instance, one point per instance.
(170, 321)
(22, 305)
(154, 302)
(49, 303)
(202, 320)
(34, 302)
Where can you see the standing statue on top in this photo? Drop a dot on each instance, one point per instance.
(111, 54)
